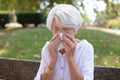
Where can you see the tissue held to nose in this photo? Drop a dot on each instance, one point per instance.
(61, 34)
(60, 45)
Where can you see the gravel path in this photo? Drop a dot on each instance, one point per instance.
(117, 32)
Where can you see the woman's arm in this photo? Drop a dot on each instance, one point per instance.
(74, 70)
(47, 68)
(50, 68)
(86, 72)
(70, 45)
(48, 71)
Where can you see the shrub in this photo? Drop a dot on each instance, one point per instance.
(4, 18)
(114, 23)
(29, 17)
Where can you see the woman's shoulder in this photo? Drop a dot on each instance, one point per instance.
(46, 44)
(85, 47)
(84, 43)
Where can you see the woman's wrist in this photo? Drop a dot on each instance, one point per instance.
(52, 64)
(47, 69)
(70, 58)
(50, 68)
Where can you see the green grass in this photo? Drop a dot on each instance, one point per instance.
(26, 43)
(23, 43)
(106, 46)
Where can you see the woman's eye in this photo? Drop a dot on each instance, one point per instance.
(56, 29)
(66, 29)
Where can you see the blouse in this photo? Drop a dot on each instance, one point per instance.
(84, 56)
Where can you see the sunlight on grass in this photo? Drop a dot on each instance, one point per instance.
(111, 60)
(1, 34)
(2, 52)
(107, 60)
(27, 43)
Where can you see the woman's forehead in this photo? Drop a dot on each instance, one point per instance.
(63, 27)
(58, 24)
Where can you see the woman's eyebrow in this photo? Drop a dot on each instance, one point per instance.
(56, 27)
(67, 28)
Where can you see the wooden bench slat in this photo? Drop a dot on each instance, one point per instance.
(12, 69)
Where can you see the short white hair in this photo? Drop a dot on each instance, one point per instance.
(67, 14)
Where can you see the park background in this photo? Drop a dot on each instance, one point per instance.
(24, 40)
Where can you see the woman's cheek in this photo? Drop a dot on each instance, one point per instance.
(55, 32)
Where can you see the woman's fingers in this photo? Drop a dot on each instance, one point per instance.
(54, 42)
(69, 46)
(67, 41)
(54, 37)
(71, 38)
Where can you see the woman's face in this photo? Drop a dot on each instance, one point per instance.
(59, 28)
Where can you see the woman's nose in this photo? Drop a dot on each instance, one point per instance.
(60, 30)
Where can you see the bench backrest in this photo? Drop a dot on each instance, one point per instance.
(12, 69)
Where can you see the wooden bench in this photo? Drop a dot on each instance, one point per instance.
(12, 69)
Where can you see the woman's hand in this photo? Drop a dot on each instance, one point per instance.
(70, 44)
(52, 47)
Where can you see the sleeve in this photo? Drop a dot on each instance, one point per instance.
(43, 63)
(87, 67)
(40, 70)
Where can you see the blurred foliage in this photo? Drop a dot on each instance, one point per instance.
(4, 18)
(19, 5)
(114, 23)
(32, 5)
(59, 1)
(112, 11)
(29, 5)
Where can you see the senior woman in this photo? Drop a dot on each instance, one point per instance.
(64, 57)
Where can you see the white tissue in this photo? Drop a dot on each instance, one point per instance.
(60, 45)
(61, 34)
